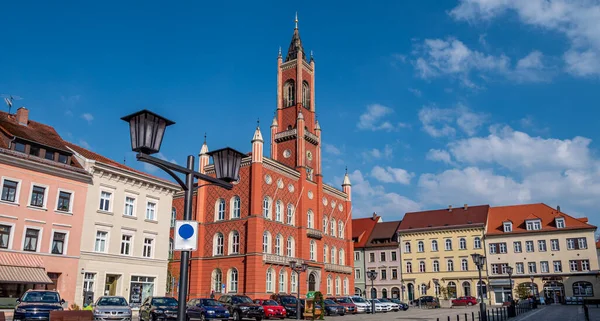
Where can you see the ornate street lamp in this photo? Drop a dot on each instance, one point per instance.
(147, 130)
(509, 271)
(298, 268)
(372, 275)
(435, 285)
(532, 287)
(479, 261)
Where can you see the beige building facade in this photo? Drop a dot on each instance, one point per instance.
(436, 248)
(125, 246)
(545, 245)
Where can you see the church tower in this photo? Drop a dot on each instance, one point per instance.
(297, 138)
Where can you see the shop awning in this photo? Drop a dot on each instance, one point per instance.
(22, 268)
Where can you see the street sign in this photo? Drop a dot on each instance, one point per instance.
(186, 236)
(223, 287)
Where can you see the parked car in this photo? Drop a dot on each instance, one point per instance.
(465, 300)
(346, 303)
(109, 308)
(394, 307)
(272, 308)
(380, 306)
(241, 307)
(362, 306)
(403, 306)
(158, 308)
(333, 308)
(424, 300)
(205, 309)
(289, 303)
(37, 305)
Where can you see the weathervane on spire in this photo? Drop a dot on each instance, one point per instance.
(296, 21)
(205, 137)
(346, 170)
(257, 122)
(279, 51)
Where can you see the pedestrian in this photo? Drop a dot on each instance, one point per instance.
(212, 294)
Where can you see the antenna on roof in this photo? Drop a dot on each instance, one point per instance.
(124, 159)
(9, 102)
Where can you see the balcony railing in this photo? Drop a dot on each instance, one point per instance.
(315, 234)
(279, 260)
(338, 268)
(311, 137)
(286, 135)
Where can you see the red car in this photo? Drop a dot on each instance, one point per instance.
(465, 300)
(272, 308)
(346, 303)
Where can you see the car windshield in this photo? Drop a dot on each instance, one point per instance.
(329, 301)
(112, 301)
(358, 300)
(164, 302)
(45, 297)
(210, 303)
(288, 300)
(384, 300)
(344, 300)
(269, 302)
(375, 300)
(241, 299)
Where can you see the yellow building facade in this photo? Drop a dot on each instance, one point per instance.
(436, 248)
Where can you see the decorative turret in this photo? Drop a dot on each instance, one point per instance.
(295, 45)
(347, 186)
(257, 145)
(204, 159)
(274, 128)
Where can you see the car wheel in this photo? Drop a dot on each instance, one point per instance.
(236, 316)
(259, 319)
(470, 303)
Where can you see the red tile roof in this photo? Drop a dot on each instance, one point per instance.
(384, 234)
(362, 228)
(34, 132)
(445, 218)
(105, 160)
(519, 213)
(598, 244)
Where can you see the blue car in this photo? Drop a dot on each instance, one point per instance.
(37, 305)
(203, 309)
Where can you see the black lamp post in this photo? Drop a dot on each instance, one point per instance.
(435, 285)
(147, 130)
(509, 271)
(298, 268)
(372, 275)
(479, 261)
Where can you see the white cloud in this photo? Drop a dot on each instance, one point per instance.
(392, 175)
(439, 155)
(439, 122)
(374, 119)
(451, 57)
(331, 149)
(376, 153)
(152, 169)
(84, 144)
(367, 199)
(415, 91)
(87, 116)
(577, 20)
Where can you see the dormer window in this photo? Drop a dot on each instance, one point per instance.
(62, 158)
(20, 147)
(534, 225)
(560, 222)
(507, 227)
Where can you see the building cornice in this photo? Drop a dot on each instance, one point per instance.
(441, 229)
(8, 157)
(557, 231)
(334, 191)
(282, 169)
(127, 176)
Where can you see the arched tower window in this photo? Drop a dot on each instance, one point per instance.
(289, 93)
(305, 95)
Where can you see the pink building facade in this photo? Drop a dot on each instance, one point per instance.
(42, 204)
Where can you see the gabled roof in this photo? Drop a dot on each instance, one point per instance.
(384, 231)
(35, 132)
(445, 218)
(362, 229)
(520, 213)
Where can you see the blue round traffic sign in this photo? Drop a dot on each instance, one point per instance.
(186, 231)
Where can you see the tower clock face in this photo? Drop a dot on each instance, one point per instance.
(287, 153)
(309, 155)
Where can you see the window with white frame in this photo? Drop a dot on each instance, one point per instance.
(436, 266)
(270, 287)
(357, 274)
(5, 235)
(217, 280)
(356, 256)
(151, 211)
(329, 285)
(59, 243)
(130, 207)
(100, 244)
(310, 219)
(267, 242)
(407, 247)
(279, 244)
(332, 225)
(88, 281)
(279, 211)
(371, 257)
(325, 253)
(529, 246)
(450, 265)
(462, 244)
(477, 242)
(234, 242)
(502, 248)
(291, 244)
(533, 225)
(220, 210)
(233, 280)
(422, 266)
(38, 196)
(10, 190)
(560, 222)
(313, 250)
(105, 201)
(173, 216)
(448, 245)
(267, 207)
(64, 201)
(342, 257)
(337, 286)
(434, 246)
(290, 214)
(408, 267)
(493, 248)
(544, 267)
(325, 225)
(557, 266)
(420, 247)
(464, 265)
(382, 256)
(582, 243)
(126, 244)
(341, 229)
(542, 245)
(393, 254)
(333, 254)
(517, 247)
(236, 203)
(31, 240)
(519, 268)
(532, 267)
(148, 247)
(346, 285)
(282, 281)
(507, 227)
(294, 282)
(554, 245)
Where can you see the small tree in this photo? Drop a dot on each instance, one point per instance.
(523, 291)
(444, 291)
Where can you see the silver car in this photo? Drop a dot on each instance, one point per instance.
(112, 308)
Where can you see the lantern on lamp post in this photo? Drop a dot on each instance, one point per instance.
(298, 268)
(479, 261)
(147, 130)
(372, 275)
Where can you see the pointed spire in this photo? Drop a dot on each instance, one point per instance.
(279, 55)
(257, 134)
(204, 148)
(300, 116)
(295, 44)
(346, 179)
(296, 20)
(274, 123)
(317, 126)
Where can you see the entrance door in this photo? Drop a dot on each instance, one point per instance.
(312, 282)
(110, 287)
(411, 292)
(554, 292)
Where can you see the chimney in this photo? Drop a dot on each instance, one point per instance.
(558, 208)
(466, 206)
(22, 116)
(449, 208)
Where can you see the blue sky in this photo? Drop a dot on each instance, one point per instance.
(428, 103)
